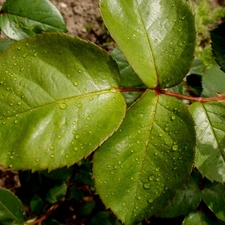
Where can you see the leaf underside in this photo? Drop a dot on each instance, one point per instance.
(210, 130)
(141, 166)
(55, 102)
(22, 18)
(156, 37)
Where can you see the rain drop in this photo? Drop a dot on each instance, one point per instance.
(52, 147)
(76, 83)
(79, 105)
(147, 185)
(19, 103)
(175, 147)
(77, 136)
(63, 106)
(59, 136)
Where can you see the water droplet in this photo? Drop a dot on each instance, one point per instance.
(75, 148)
(24, 55)
(139, 131)
(175, 147)
(52, 156)
(88, 118)
(76, 83)
(150, 201)
(74, 122)
(59, 136)
(63, 106)
(156, 40)
(112, 172)
(18, 47)
(151, 178)
(79, 105)
(52, 147)
(19, 103)
(14, 57)
(173, 117)
(36, 160)
(16, 121)
(147, 185)
(77, 136)
(79, 71)
(91, 98)
(134, 36)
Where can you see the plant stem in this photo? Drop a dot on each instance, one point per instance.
(174, 94)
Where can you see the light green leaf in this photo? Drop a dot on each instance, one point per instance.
(56, 193)
(186, 199)
(11, 210)
(213, 80)
(214, 197)
(156, 37)
(23, 18)
(200, 218)
(57, 106)
(210, 130)
(141, 166)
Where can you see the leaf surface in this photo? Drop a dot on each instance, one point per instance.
(23, 18)
(186, 199)
(55, 102)
(218, 46)
(214, 197)
(11, 210)
(210, 130)
(142, 165)
(156, 37)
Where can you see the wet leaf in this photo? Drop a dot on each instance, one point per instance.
(22, 18)
(4, 45)
(214, 197)
(156, 37)
(11, 210)
(210, 131)
(55, 102)
(186, 199)
(138, 169)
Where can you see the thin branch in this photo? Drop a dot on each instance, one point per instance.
(48, 213)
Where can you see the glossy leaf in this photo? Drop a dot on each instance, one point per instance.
(200, 218)
(56, 193)
(186, 199)
(212, 82)
(218, 46)
(142, 165)
(214, 197)
(22, 18)
(11, 209)
(156, 37)
(210, 130)
(55, 101)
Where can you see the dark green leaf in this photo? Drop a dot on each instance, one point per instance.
(55, 102)
(200, 218)
(186, 199)
(76, 194)
(4, 45)
(11, 210)
(194, 82)
(210, 130)
(142, 165)
(56, 193)
(156, 37)
(59, 174)
(103, 218)
(218, 44)
(86, 208)
(213, 80)
(36, 205)
(22, 18)
(214, 197)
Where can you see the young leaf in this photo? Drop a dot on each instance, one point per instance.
(56, 193)
(186, 199)
(23, 18)
(156, 37)
(142, 165)
(11, 208)
(210, 130)
(214, 197)
(218, 46)
(57, 106)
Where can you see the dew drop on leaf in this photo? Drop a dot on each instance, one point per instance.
(147, 185)
(59, 136)
(52, 147)
(75, 83)
(175, 147)
(79, 105)
(63, 106)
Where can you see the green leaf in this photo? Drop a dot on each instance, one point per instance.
(156, 37)
(36, 205)
(4, 45)
(200, 218)
(218, 46)
(56, 193)
(11, 210)
(22, 18)
(103, 218)
(138, 170)
(186, 199)
(214, 197)
(213, 80)
(55, 102)
(210, 130)
(86, 208)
